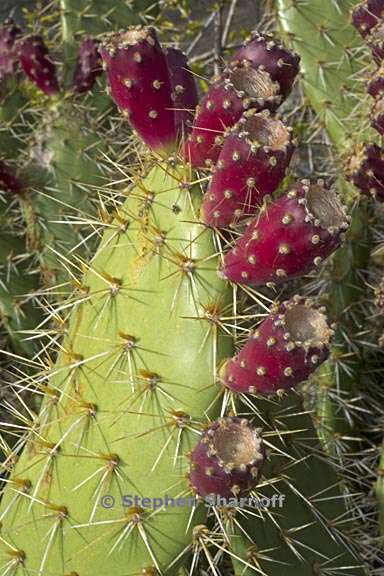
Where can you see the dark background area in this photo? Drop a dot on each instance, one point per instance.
(14, 7)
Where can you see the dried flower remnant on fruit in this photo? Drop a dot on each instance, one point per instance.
(228, 459)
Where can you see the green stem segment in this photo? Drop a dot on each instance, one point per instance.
(135, 377)
(332, 63)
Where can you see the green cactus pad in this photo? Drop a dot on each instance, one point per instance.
(65, 173)
(332, 59)
(132, 384)
(19, 313)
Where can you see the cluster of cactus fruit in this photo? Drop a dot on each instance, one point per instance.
(175, 377)
(31, 54)
(368, 166)
(248, 151)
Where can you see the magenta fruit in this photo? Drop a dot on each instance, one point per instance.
(37, 65)
(140, 85)
(367, 15)
(8, 48)
(88, 66)
(376, 85)
(219, 109)
(228, 459)
(288, 238)
(366, 171)
(241, 88)
(263, 52)
(8, 181)
(375, 41)
(283, 351)
(252, 164)
(378, 116)
(183, 87)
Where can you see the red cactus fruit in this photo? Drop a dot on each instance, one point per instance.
(252, 163)
(8, 181)
(88, 66)
(228, 460)
(367, 15)
(378, 116)
(375, 41)
(288, 238)
(366, 171)
(241, 88)
(376, 85)
(184, 92)
(140, 84)
(264, 52)
(37, 65)
(8, 48)
(283, 351)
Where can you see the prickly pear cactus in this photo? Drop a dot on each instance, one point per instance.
(148, 360)
(368, 18)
